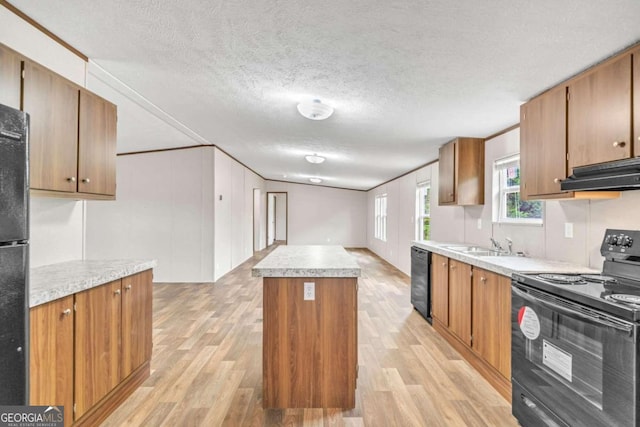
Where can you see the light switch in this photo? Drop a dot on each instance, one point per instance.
(309, 291)
(479, 223)
(568, 230)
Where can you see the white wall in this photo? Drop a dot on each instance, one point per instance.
(233, 208)
(457, 224)
(163, 210)
(322, 215)
(168, 208)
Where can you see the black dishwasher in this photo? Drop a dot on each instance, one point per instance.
(421, 281)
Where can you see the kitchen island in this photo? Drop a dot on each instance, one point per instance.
(309, 355)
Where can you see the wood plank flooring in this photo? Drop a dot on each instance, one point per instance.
(206, 368)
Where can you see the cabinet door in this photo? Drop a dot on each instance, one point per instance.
(51, 355)
(543, 143)
(446, 174)
(136, 321)
(10, 78)
(460, 300)
(96, 145)
(97, 345)
(599, 128)
(469, 171)
(52, 103)
(492, 319)
(440, 288)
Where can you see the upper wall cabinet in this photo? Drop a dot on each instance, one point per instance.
(543, 144)
(96, 145)
(72, 137)
(599, 128)
(10, 69)
(461, 172)
(52, 104)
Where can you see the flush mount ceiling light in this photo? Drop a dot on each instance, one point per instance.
(314, 159)
(315, 180)
(315, 110)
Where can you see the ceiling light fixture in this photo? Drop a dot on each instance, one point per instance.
(315, 180)
(315, 110)
(315, 159)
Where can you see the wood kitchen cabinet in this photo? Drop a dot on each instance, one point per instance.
(10, 77)
(461, 172)
(72, 132)
(543, 144)
(460, 300)
(491, 321)
(599, 114)
(51, 332)
(96, 145)
(136, 321)
(52, 104)
(97, 344)
(471, 308)
(440, 288)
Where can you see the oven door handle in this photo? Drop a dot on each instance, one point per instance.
(573, 310)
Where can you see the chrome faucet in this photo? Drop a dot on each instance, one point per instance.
(495, 244)
(510, 245)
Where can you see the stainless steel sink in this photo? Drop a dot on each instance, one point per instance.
(476, 251)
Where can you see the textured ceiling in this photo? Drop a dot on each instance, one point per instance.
(404, 76)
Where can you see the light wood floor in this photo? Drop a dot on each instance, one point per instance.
(206, 368)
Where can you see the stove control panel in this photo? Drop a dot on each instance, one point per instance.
(621, 242)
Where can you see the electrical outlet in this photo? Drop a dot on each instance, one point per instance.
(568, 230)
(309, 291)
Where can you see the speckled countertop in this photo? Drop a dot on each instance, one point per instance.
(50, 282)
(307, 261)
(505, 265)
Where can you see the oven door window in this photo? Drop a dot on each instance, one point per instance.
(580, 364)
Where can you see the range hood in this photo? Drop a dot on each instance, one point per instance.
(618, 175)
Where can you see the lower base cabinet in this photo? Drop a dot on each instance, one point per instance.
(51, 355)
(479, 320)
(90, 350)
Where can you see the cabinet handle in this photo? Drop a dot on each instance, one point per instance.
(86, 180)
(619, 144)
(117, 292)
(71, 179)
(483, 279)
(556, 180)
(453, 267)
(444, 264)
(128, 287)
(66, 312)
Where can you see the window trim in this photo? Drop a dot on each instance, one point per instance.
(502, 190)
(420, 215)
(380, 217)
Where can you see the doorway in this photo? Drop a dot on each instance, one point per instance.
(277, 218)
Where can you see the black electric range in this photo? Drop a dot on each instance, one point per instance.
(615, 290)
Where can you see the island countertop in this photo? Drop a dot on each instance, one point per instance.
(307, 261)
(50, 282)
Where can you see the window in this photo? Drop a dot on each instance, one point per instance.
(510, 208)
(380, 231)
(423, 217)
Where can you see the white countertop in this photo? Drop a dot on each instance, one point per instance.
(50, 282)
(307, 261)
(505, 265)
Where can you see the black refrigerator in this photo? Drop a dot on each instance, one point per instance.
(14, 256)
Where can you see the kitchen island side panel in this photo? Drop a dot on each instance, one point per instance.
(309, 346)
